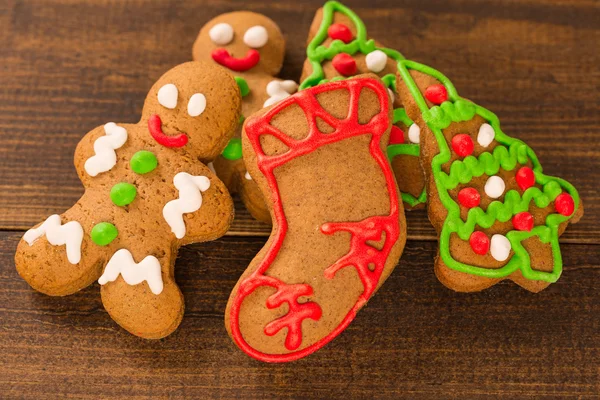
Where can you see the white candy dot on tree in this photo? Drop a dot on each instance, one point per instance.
(376, 61)
(494, 187)
(414, 133)
(500, 247)
(486, 135)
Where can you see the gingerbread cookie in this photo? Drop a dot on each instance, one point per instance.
(339, 47)
(146, 194)
(497, 214)
(338, 224)
(252, 47)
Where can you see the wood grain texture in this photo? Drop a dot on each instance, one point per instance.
(71, 65)
(415, 339)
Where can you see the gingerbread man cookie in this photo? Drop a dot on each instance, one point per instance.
(339, 47)
(497, 214)
(147, 192)
(252, 47)
(338, 222)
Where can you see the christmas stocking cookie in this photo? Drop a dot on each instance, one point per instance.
(339, 47)
(338, 224)
(252, 47)
(497, 214)
(146, 194)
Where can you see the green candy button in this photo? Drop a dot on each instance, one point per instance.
(143, 162)
(123, 194)
(233, 151)
(243, 85)
(103, 233)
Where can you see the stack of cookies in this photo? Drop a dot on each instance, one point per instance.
(331, 162)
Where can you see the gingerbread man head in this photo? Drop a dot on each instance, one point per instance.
(242, 41)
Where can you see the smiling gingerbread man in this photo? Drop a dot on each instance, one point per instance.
(147, 192)
(252, 47)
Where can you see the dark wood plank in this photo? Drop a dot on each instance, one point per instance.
(68, 66)
(415, 340)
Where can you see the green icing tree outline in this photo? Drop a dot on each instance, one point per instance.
(317, 53)
(457, 109)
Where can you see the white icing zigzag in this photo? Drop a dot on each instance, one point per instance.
(279, 90)
(104, 148)
(70, 234)
(133, 273)
(190, 200)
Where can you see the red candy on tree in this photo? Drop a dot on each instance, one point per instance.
(523, 221)
(469, 197)
(437, 94)
(462, 144)
(525, 178)
(344, 64)
(564, 204)
(396, 136)
(340, 32)
(479, 242)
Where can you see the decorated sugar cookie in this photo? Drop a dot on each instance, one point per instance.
(252, 47)
(146, 194)
(497, 214)
(339, 47)
(338, 222)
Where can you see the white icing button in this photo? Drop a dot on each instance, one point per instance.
(247, 176)
(486, 135)
(167, 96)
(133, 273)
(221, 34)
(69, 234)
(414, 133)
(279, 90)
(196, 105)
(376, 61)
(105, 157)
(494, 187)
(256, 37)
(391, 94)
(500, 247)
(190, 200)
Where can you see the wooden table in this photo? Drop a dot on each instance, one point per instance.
(67, 66)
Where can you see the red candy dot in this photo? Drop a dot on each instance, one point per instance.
(437, 94)
(564, 204)
(344, 64)
(469, 197)
(462, 144)
(396, 136)
(525, 178)
(523, 221)
(479, 242)
(340, 32)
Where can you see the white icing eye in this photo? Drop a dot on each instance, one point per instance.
(256, 37)
(196, 105)
(414, 133)
(376, 61)
(221, 34)
(167, 96)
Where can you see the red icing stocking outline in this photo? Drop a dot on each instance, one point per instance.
(361, 254)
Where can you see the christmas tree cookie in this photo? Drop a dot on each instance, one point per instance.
(338, 48)
(251, 46)
(147, 192)
(497, 214)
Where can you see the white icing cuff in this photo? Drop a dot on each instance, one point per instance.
(279, 90)
(133, 273)
(69, 234)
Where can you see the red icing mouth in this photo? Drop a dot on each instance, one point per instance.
(223, 57)
(155, 128)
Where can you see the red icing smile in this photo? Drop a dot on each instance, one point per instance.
(223, 57)
(155, 128)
